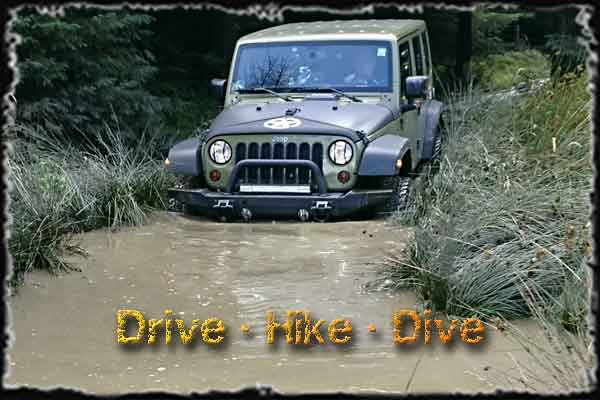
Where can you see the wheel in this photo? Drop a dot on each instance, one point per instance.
(437, 146)
(437, 141)
(399, 199)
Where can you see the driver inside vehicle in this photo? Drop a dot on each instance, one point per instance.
(364, 65)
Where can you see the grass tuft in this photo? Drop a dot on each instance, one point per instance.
(506, 208)
(59, 190)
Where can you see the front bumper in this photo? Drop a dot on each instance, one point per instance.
(319, 206)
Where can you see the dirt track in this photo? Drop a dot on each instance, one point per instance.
(65, 327)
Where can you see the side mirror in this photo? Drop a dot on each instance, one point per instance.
(218, 89)
(417, 86)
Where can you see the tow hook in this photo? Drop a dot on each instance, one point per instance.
(246, 214)
(321, 210)
(303, 214)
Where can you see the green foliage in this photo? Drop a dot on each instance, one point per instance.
(510, 46)
(506, 213)
(52, 179)
(503, 71)
(567, 54)
(127, 182)
(552, 127)
(79, 70)
(491, 28)
(188, 111)
(39, 223)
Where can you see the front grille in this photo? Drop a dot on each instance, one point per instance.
(278, 151)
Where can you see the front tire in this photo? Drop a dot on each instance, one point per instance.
(437, 141)
(437, 147)
(399, 200)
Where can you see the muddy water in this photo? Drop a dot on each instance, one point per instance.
(65, 326)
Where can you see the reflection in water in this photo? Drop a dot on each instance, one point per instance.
(65, 327)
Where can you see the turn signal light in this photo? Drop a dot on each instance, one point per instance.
(344, 176)
(398, 165)
(215, 175)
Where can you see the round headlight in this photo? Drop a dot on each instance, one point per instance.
(340, 152)
(220, 152)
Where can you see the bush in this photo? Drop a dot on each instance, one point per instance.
(40, 221)
(503, 71)
(507, 209)
(566, 54)
(491, 26)
(58, 190)
(68, 89)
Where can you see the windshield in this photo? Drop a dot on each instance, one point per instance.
(355, 66)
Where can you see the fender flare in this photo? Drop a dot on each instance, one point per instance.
(380, 156)
(431, 112)
(184, 157)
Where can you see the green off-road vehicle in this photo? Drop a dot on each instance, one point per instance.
(322, 119)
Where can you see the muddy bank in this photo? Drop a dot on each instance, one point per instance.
(65, 326)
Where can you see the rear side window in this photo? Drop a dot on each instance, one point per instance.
(416, 43)
(405, 66)
(425, 40)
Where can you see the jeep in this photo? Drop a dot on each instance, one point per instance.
(319, 120)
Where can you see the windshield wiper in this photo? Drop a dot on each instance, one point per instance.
(267, 90)
(319, 88)
(349, 96)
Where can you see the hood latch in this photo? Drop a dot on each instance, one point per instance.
(362, 136)
(292, 111)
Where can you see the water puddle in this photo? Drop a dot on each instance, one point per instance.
(65, 326)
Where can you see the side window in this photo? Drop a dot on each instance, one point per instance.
(425, 39)
(416, 44)
(405, 66)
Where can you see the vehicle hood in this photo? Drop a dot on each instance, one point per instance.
(317, 117)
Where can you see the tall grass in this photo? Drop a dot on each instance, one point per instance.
(59, 190)
(507, 208)
(502, 71)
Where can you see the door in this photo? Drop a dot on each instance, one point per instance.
(409, 119)
(420, 46)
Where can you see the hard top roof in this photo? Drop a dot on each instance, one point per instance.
(368, 28)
